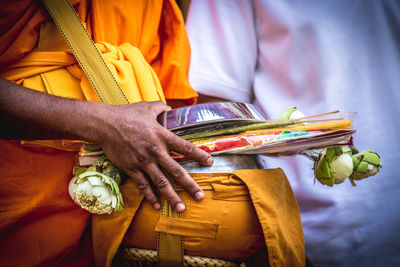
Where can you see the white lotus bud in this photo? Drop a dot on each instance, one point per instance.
(296, 115)
(96, 192)
(334, 165)
(343, 167)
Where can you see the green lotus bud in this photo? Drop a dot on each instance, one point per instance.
(291, 114)
(285, 115)
(366, 163)
(334, 165)
(96, 192)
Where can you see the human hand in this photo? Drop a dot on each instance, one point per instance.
(134, 141)
(130, 136)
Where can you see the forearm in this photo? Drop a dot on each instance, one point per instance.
(28, 114)
(129, 134)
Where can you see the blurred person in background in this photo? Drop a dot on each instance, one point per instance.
(318, 56)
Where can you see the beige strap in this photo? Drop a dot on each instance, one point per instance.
(85, 51)
(169, 246)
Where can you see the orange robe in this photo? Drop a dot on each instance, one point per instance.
(39, 223)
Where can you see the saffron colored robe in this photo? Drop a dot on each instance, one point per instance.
(145, 45)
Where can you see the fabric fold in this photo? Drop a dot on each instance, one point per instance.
(58, 73)
(269, 192)
(135, 76)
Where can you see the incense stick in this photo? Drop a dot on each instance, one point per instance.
(320, 114)
(259, 126)
(317, 120)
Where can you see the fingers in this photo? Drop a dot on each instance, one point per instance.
(162, 183)
(142, 146)
(180, 175)
(146, 189)
(178, 144)
(188, 149)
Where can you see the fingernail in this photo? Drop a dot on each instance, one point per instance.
(210, 161)
(156, 206)
(180, 207)
(199, 195)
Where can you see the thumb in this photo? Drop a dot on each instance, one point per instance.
(157, 107)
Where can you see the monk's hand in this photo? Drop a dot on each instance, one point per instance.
(141, 147)
(130, 136)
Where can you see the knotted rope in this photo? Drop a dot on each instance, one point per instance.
(137, 257)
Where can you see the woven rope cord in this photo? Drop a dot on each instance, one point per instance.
(137, 254)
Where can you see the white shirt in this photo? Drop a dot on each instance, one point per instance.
(318, 56)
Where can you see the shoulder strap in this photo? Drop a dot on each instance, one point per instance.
(170, 247)
(85, 51)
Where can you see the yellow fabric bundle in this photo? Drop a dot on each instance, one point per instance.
(57, 72)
